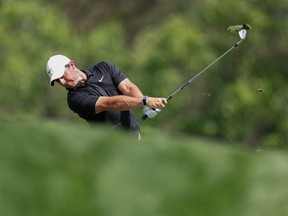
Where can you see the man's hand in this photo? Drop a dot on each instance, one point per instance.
(151, 113)
(156, 102)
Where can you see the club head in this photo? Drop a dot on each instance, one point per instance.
(242, 33)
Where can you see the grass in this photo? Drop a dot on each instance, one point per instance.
(56, 168)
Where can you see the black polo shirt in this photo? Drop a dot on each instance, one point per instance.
(102, 80)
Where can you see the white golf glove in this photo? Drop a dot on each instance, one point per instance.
(151, 113)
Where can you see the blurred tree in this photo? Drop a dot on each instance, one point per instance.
(252, 117)
(27, 38)
(88, 14)
(232, 108)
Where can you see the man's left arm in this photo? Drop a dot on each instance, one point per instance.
(129, 89)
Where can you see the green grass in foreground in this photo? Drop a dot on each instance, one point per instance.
(59, 169)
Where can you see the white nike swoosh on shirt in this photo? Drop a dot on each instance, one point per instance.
(100, 80)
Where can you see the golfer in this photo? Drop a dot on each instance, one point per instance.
(101, 94)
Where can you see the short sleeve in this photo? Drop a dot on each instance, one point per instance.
(115, 73)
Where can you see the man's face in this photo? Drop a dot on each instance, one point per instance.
(69, 78)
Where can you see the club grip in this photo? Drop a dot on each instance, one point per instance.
(144, 117)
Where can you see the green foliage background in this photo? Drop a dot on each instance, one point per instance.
(159, 45)
(61, 169)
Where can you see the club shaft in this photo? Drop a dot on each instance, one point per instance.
(202, 71)
(198, 74)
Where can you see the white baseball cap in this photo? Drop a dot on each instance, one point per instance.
(55, 67)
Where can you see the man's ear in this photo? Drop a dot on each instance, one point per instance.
(72, 64)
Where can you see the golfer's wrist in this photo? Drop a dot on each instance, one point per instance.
(144, 100)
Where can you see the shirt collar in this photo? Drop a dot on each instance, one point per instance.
(88, 73)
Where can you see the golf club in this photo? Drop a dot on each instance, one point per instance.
(241, 30)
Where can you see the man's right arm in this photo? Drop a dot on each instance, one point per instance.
(122, 102)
